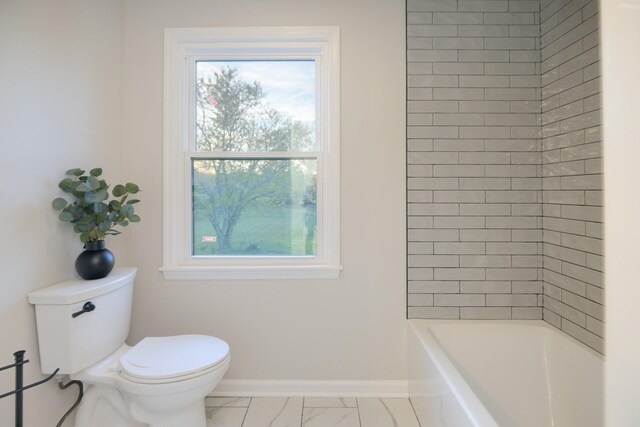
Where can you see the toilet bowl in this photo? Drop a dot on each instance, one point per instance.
(159, 382)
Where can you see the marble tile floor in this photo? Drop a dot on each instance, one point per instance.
(309, 412)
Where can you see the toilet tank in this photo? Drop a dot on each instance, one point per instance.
(75, 343)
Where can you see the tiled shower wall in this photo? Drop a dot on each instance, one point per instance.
(504, 162)
(474, 161)
(572, 169)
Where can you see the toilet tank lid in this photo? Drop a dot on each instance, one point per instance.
(78, 290)
(156, 358)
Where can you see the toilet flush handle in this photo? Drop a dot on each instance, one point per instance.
(87, 307)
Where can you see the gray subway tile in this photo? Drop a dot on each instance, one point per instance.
(483, 55)
(485, 261)
(483, 30)
(432, 184)
(565, 282)
(512, 248)
(458, 94)
(419, 18)
(565, 311)
(509, 43)
(484, 235)
(432, 106)
(420, 273)
(419, 247)
(455, 18)
(460, 43)
(434, 287)
(457, 67)
(459, 300)
(432, 5)
(485, 313)
(433, 261)
(420, 300)
(481, 209)
(512, 300)
(484, 106)
(459, 222)
(459, 248)
(512, 273)
(583, 335)
(485, 287)
(437, 235)
(434, 312)
(526, 313)
(484, 81)
(509, 18)
(483, 5)
(459, 170)
(459, 196)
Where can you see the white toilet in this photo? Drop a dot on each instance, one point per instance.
(159, 382)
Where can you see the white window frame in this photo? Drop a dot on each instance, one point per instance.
(183, 47)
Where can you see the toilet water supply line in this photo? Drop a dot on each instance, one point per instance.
(76, 403)
(20, 388)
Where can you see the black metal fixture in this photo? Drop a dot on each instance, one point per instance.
(87, 307)
(19, 363)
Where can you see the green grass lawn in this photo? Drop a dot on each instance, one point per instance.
(263, 229)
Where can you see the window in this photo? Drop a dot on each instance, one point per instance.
(251, 145)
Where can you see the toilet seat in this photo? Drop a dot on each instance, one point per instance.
(169, 359)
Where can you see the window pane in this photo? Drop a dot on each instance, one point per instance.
(255, 105)
(257, 207)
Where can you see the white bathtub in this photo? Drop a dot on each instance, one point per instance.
(502, 373)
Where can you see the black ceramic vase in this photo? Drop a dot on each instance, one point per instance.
(95, 262)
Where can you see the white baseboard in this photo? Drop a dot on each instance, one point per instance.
(279, 388)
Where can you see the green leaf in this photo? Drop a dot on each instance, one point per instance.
(133, 201)
(103, 195)
(119, 190)
(132, 188)
(84, 237)
(93, 182)
(74, 172)
(100, 207)
(91, 197)
(67, 185)
(95, 172)
(83, 188)
(65, 216)
(126, 210)
(59, 204)
(124, 223)
(114, 204)
(134, 218)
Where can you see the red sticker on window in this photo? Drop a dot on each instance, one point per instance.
(209, 239)
(212, 100)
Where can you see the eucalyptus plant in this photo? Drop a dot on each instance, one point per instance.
(92, 214)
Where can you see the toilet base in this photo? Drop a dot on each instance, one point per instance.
(104, 407)
(192, 416)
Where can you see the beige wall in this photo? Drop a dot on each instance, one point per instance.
(621, 90)
(346, 329)
(60, 107)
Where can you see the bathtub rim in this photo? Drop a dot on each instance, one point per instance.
(523, 322)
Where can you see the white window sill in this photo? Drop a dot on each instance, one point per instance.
(251, 273)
